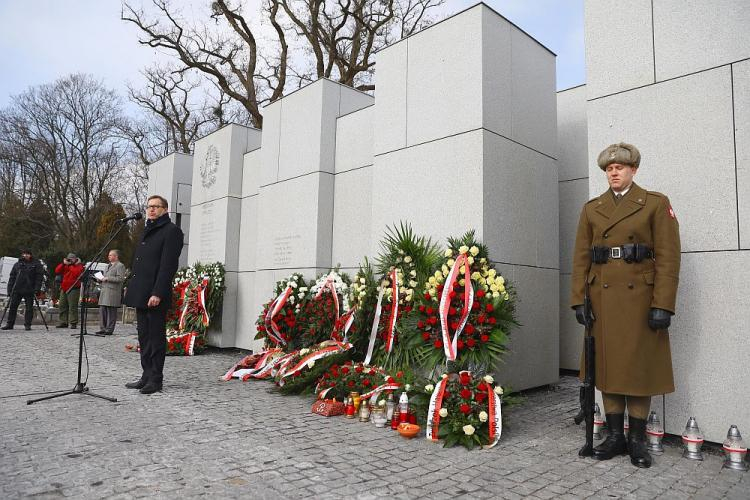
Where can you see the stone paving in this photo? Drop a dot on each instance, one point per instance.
(202, 437)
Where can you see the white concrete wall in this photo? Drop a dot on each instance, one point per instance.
(573, 192)
(171, 177)
(680, 91)
(465, 123)
(216, 213)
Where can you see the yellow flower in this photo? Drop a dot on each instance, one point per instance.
(474, 250)
(482, 260)
(407, 259)
(445, 270)
(432, 280)
(462, 282)
(462, 269)
(438, 275)
(493, 287)
(450, 262)
(495, 294)
(469, 429)
(476, 276)
(500, 288)
(492, 272)
(449, 252)
(470, 260)
(500, 280)
(463, 249)
(506, 296)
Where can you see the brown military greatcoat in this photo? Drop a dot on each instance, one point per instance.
(631, 358)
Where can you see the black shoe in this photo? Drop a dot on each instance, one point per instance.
(61, 325)
(138, 384)
(73, 326)
(637, 443)
(27, 328)
(7, 327)
(105, 333)
(615, 444)
(151, 388)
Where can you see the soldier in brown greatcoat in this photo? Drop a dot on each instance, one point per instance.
(628, 249)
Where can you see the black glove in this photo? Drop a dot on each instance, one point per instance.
(581, 317)
(659, 319)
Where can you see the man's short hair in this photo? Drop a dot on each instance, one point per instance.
(162, 199)
(116, 251)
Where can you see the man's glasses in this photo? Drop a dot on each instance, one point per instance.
(154, 207)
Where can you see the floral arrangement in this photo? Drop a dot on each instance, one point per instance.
(281, 328)
(197, 297)
(464, 410)
(302, 368)
(328, 303)
(405, 261)
(470, 325)
(363, 300)
(339, 380)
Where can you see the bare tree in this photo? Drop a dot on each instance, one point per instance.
(64, 141)
(342, 37)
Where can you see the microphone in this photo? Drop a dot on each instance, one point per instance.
(135, 216)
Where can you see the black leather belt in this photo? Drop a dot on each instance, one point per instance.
(632, 252)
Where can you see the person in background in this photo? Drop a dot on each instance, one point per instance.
(24, 281)
(70, 290)
(110, 296)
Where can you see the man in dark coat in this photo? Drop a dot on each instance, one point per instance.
(24, 281)
(628, 251)
(150, 290)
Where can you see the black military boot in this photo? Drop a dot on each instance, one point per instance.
(615, 443)
(637, 443)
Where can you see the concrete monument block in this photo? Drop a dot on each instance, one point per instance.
(709, 344)
(171, 177)
(214, 232)
(573, 195)
(354, 135)
(247, 314)
(444, 85)
(619, 46)
(741, 77)
(572, 134)
(533, 103)
(511, 174)
(225, 337)
(497, 81)
(437, 187)
(307, 138)
(571, 333)
(683, 129)
(251, 172)
(534, 359)
(271, 143)
(352, 214)
(694, 36)
(390, 111)
(218, 162)
(248, 237)
(295, 219)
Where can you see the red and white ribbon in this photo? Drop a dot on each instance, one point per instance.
(202, 300)
(272, 329)
(450, 346)
(260, 361)
(433, 412)
(183, 287)
(390, 332)
(385, 387)
(495, 418)
(330, 285)
(347, 320)
(312, 357)
(375, 324)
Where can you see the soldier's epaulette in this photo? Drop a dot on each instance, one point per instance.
(592, 199)
(656, 193)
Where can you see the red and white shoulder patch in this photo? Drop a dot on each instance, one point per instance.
(671, 212)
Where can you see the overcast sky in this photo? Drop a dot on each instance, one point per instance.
(42, 40)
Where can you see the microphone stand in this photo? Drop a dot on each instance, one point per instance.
(81, 387)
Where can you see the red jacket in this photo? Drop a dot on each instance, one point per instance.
(70, 274)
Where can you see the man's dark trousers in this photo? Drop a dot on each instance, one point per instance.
(152, 338)
(15, 301)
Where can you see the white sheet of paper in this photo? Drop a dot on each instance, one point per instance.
(98, 276)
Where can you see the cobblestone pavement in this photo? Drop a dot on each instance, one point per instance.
(205, 437)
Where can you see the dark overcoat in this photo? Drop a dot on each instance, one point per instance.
(25, 277)
(631, 358)
(155, 263)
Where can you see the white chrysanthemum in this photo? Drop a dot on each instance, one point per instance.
(483, 416)
(469, 429)
(429, 388)
(443, 412)
(489, 379)
(498, 390)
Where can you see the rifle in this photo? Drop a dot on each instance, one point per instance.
(587, 391)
